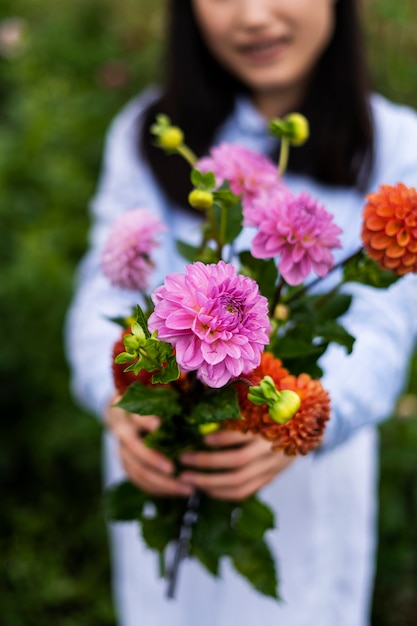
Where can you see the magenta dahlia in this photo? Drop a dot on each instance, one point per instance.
(301, 232)
(126, 257)
(216, 319)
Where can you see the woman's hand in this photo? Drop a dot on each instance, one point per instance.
(146, 468)
(235, 473)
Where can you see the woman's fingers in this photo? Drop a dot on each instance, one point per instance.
(234, 474)
(232, 458)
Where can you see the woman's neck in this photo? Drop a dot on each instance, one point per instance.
(278, 102)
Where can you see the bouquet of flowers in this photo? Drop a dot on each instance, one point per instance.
(234, 341)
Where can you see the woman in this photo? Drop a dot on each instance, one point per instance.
(231, 65)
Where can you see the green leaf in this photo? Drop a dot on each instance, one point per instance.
(173, 437)
(169, 373)
(124, 502)
(217, 406)
(289, 347)
(362, 269)
(253, 559)
(263, 271)
(163, 527)
(233, 221)
(142, 321)
(331, 306)
(254, 518)
(188, 252)
(332, 332)
(125, 357)
(154, 400)
(206, 181)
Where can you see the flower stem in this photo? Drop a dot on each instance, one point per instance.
(189, 518)
(283, 156)
(304, 289)
(187, 154)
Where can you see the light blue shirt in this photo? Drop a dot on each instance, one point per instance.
(324, 503)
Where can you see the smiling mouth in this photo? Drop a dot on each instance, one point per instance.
(264, 50)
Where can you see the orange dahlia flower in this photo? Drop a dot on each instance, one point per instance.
(389, 230)
(304, 431)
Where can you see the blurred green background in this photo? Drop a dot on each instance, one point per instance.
(65, 69)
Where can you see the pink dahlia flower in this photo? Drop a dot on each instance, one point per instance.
(248, 173)
(216, 319)
(301, 232)
(126, 256)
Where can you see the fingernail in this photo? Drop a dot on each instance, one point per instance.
(186, 478)
(165, 467)
(186, 490)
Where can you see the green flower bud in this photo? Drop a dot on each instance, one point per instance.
(171, 138)
(294, 128)
(298, 128)
(207, 429)
(132, 344)
(200, 199)
(287, 405)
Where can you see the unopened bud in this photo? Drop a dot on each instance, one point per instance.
(298, 128)
(200, 199)
(294, 128)
(171, 138)
(207, 429)
(281, 312)
(285, 407)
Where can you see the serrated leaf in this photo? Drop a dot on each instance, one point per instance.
(154, 400)
(254, 518)
(142, 321)
(169, 373)
(124, 502)
(217, 406)
(253, 559)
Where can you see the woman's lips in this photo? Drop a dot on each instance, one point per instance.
(265, 50)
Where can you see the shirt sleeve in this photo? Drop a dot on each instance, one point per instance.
(364, 386)
(89, 333)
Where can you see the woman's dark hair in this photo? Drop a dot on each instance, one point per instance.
(199, 94)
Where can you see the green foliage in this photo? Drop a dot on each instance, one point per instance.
(78, 62)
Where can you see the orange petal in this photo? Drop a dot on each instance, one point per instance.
(403, 238)
(394, 251)
(380, 241)
(392, 227)
(374, 222)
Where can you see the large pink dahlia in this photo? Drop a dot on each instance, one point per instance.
(126, 256)
(301, 232)
(216, 319)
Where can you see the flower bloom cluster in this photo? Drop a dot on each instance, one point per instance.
(304, 431)
(126, 256)
(298, 230)
(249, 174)
(215, 318)
(389, 230)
